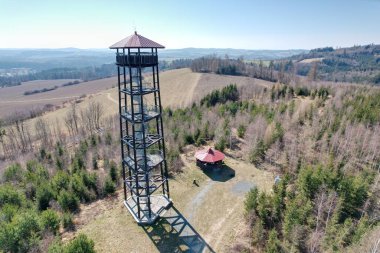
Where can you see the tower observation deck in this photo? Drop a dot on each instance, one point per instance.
(145, 174)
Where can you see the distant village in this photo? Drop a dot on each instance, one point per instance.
(16, 72)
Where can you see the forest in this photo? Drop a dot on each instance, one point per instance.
(358, 64)
(322, 140)
(85, 74)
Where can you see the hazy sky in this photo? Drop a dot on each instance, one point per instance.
(266, 24)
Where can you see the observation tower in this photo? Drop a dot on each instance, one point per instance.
(145, 173)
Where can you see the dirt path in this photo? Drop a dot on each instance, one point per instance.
(197, 200)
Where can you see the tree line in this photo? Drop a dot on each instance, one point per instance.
(85, 74)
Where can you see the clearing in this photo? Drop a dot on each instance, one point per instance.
(311, 60)
(205, 218)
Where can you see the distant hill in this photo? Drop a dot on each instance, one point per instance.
(359, 64)
(41, 59)
(192, 53)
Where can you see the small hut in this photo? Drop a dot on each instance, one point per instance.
(209, 156)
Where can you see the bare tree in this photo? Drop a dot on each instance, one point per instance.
(43, 132)
(2, 140)
(23, 134)
(97, 112)
(72, 120)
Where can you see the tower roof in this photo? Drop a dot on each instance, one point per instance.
(136, 41)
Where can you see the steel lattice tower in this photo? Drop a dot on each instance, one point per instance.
(145, 173)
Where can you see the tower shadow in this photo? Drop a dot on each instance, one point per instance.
(173, 233)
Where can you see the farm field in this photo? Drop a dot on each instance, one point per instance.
(12, 99)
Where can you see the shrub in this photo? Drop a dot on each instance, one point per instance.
(81, 244)
(35, 172)
(27, 230)
(43, 196)
(258, 153)
(241, 131)
(78, 163)
(251, 200)
(8, 238)
(10, 195)
(60, 181)
(174, 160)
(188, 139)
(108, 138)
(59, 163)
(50, 221)
(95, 164)
(13, 173)
(221, 144)
(113, 171)
(43, 154)
(302, 91)
(32, 165)
(68, 201)
(93, 140)
(90, 181)
(56, 246)
(59, 149)
(109, 186)
(67, 221)
(274, 244)
(79, 188)
(7, 212)
(228, 93)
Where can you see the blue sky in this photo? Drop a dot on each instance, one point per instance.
(269, 24)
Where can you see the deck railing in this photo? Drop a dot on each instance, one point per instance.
(136, 59)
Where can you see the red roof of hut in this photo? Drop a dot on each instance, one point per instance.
(209, 155)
